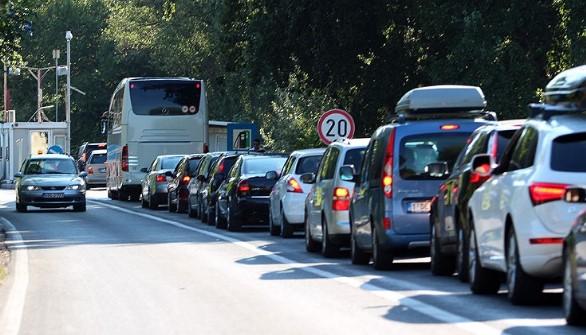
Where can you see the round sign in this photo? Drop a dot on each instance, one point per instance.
(56, 149)
(335, 124)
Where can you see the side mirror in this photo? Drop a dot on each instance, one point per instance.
(83, 174)
(482, 165)
(575, 195)
(437, 169)
(144, 170)
(18, 175)
(272, 175)
(169, 174)
(307, 178)
(347, 173)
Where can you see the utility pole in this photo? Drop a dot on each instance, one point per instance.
(41, 72)
(56, 57)
(5, 92)
(68, 37)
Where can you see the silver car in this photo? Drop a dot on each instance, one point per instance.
(327, 224)
(154, 185)
(96, 169)
(50, 181)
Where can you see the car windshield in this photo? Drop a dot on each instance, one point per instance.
(418, 151)
(50, 166)
(98, 159)
(308, 164)
(263, 165)
(170, 163)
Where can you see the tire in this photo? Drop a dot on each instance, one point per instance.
(287, 230)
(110, 194)
(382, 259)
(273, 229)
(190, 211)
(79, 207)
(143, 203)
(170, 205)
(153, 204)
(523, 289)
(462, 256)
(21, 208)
(134, 196)
(328, 248)
(232, 223)
(441, 264)
(211, 217)
(482, 281)
(358, 256)
(122, 195)
(310, 244)
(113, 195)
(220, 221)
(181, 206)
(575, 315)
(203, 216)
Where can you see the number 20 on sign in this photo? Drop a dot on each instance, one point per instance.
(335, 124)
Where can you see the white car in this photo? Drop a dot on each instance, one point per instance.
(289, 193)
(517, 217)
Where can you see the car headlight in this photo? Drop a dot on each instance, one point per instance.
(32, 188)
(75, 187)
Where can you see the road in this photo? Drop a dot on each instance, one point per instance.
(121, 269)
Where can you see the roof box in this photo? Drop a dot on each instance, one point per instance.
(442, 99)
(568, 89)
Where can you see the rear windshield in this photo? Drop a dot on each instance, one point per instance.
(354, 157)
(307, 164)
(170, 163)
(503, 140)
(225, 164)
(92, 147)
(165, 97)
(50, 166)
(98, 159)
(418, 151)
(263, 165)
(566, 153)
(193, 164)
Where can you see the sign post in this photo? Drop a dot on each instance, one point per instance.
(335, 124)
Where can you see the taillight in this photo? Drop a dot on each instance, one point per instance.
(185, 180)
(243, 187)
(90, 170)
(124, 160)
(341, 199)
(293, 186)
(387, 180)
(450, 127)
(547, 240)
(387, 223)
(541, 193)
(161, 178)
(476, 177)
(221, 167)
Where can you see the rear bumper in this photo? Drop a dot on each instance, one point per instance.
(394, 241)
(96, 180)
(253, 209)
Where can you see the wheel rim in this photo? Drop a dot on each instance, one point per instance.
(472, 257)
(512, 264)
(568, 288)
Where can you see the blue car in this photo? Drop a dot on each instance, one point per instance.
(404, 165)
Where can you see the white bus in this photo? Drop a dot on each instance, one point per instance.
(150, 117)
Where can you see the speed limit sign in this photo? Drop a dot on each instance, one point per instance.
(335, 124)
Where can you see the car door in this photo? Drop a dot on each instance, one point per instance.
(280, 189)
(150, 179)
(174, 183)
(323, 188)
(360, 200)
(227, 186)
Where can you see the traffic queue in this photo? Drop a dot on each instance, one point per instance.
(490, 201)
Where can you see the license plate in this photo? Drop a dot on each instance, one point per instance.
(53, 195)
(103, 170)
(420, 207)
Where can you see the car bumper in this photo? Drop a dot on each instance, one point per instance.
(394, 241)
(253, 210)
(293, 204)
(51, 198)
(96, 180)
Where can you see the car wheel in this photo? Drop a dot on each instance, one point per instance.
(122, 195)
(310, 244)
(190, 211)
(79, 207)
(143, 202)
(110, 194)
(462, 256)
(441, 264)
(482, 281)
(232, 223)
(287, 229)
(575, 315)
(170, 205)
(21, 208)
(220, 221)
(382, 259)
(328, 248)
(134, 196)
(113, 195)
(203, 216)
(211, 216)
(523, 289)
(153, 204)
(274, 230)
(358, 256)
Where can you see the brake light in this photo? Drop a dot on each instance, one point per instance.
(541, 193)
(124, 160)
(101, 145)
(90, 170)
(243, 187)
(185, 180)
(547, 240)
(387, 223)
(293, 186)
(495, 146)
(450, 127)
(341, 199)
(221, 167)
(387, 180)
(161, 178)
(475, 176)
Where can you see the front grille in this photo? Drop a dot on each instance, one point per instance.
(52, 188)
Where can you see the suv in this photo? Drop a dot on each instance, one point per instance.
(327, 225)
(84, 153)
(405, 164)
(517, 218)
(448, 217)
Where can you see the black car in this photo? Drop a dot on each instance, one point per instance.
(448, 216)
(210, 193)
(197, 184)
(177, 192)
(575, 264)
(243, 198)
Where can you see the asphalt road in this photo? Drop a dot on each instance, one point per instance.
(121, 269)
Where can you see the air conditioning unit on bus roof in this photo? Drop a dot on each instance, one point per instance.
(441, 99)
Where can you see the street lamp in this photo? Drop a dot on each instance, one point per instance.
(56, 58)
(40, 114)
(68, 37)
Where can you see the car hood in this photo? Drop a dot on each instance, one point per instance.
(51, 180)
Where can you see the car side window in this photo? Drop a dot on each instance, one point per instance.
(154, 165)
(179, 166)
(329, 169)
(365, 168)
(524, 154)
(288, 164)
(478, 144)
(235, 169)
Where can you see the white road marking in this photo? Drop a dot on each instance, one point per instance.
(398, 298)
(11, 316)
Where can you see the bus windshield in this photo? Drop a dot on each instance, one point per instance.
(165, 97)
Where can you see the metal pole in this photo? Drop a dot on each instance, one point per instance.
(68, 37)
(39, 90)
(56, 56)
(5, 92)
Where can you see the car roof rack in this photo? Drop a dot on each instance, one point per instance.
(547, 111)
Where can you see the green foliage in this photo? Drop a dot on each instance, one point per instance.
(12, 17)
